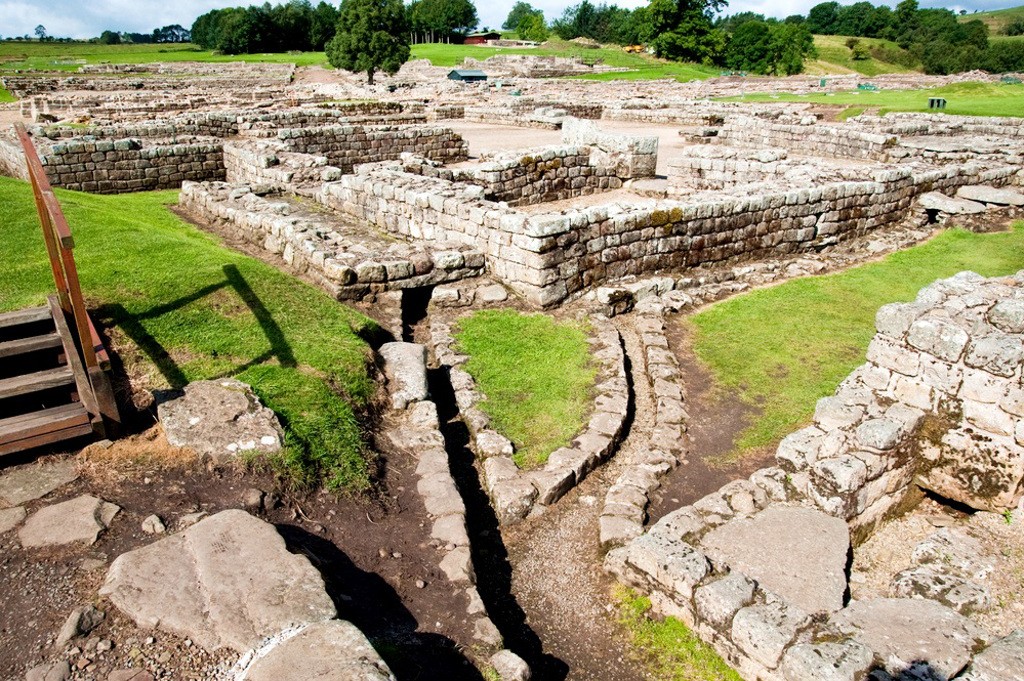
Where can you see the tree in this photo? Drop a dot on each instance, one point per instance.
(683, 31)
(824, 18)
(373, 35)
(1015, 27)
(533, 27)
(41, 32)
(110, 38)
(322, 25)
(520, 11)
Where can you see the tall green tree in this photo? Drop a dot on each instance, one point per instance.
(683, 30)
(322, 25)
(533, 27)
(520, 11)
(372, 36)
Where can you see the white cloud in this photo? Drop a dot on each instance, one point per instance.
(89, 18)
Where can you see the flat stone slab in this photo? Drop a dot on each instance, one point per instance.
(10, 517)
(324, 651)
(226, 582)
(405, 366)
(77, 520)
(1002, 661)
(908, 630)
(29, 483)
(1002, 197)
(798, 553)
(220, 419)
(949, 204)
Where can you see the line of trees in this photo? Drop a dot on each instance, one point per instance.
(295, 25)
(435, 21)
(174, 33)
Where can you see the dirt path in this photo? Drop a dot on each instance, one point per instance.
(717, 417)
(556, 558)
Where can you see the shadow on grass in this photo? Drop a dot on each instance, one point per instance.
(371, 604)
(132, 325)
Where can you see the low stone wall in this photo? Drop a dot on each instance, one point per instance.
(125, 165)
(345, 146)
(530, 176)
(549, 257)
(938, 404)
(514, 492)
(504, 116)
(836, 141)
(418, 432)
(214, 124)
(717, 167)
(269, 164)
(630, 156)
(625, 504)
(695, 113)
(347, 261)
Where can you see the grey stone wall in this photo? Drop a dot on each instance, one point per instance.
(347, 261)
(125, 165)
(938, 404)
(345, 146)
(550, 257)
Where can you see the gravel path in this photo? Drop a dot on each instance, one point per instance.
(556, 558)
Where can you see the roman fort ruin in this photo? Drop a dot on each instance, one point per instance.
(627, 203)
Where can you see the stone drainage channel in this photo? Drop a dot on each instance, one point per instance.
(541, 580)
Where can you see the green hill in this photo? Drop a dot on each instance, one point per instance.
(835, 57)
(996, 19)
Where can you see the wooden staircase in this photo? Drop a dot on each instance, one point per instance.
(54, 371)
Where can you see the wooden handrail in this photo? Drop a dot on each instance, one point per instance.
(60, 248)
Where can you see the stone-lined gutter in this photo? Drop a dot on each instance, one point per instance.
(626, 501)
(417, 430)
(515, 492)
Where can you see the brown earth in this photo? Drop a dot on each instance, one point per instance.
(371, 552)
(717, 418)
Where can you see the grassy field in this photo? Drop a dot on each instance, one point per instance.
(536, 375)
(835, 57)
(996, 19)
(672, 652)
(645, 67)
(198, 310)
(782, 348)
(65, 56)
(965, 99)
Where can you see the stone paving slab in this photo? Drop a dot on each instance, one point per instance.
(798, 553)
(81, 519)
(226, 582)
(10, 518)
(324, 651)
(29, 483)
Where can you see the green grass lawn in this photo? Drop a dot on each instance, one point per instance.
(537, 377)
(5, 95)
(782, 348)
(645, 67)
(996, 19)
(199, 310)
(963, 99)
(60, 56)
(834, 55)
(671, 651)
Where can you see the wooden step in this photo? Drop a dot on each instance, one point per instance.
(30, 315)
(23, 346)
(47, 426)
(36, 382)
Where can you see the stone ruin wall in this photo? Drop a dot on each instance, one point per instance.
(938, 405)
(329, 254)
(548, 258)
(346, 146)
(530, 176)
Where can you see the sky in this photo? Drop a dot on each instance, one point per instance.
(89, 18)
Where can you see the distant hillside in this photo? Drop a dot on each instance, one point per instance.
(835, 57)
(996, 19)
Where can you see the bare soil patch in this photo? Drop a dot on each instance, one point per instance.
(717, 417)
(370, 551)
